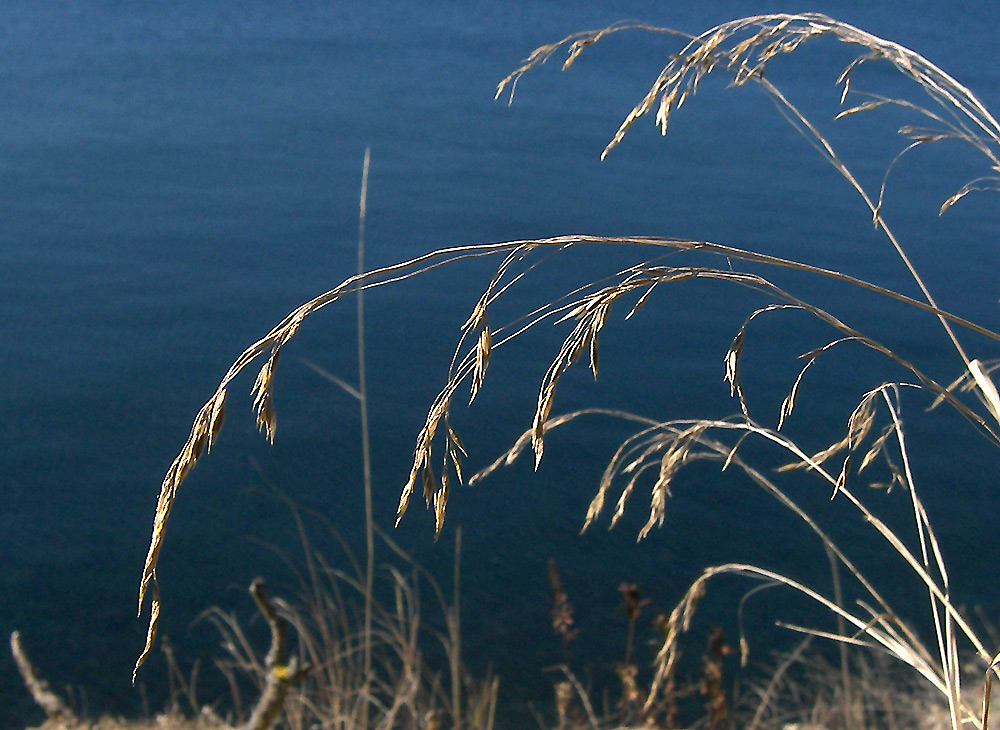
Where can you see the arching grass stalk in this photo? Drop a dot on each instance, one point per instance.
(662, 448)
(209, 421)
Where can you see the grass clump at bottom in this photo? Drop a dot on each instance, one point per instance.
(314, 673)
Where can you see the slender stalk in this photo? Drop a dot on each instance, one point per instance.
(365, 442)
(845, 672)
(456, 636)
(801, 124)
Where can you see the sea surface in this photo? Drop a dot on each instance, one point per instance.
(176, 177)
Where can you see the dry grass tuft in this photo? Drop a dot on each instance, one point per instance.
(805, 692)
(661, 449)
(409, 686)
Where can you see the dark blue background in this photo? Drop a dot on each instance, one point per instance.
(174, 179)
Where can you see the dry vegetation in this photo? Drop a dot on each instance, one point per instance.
(314, 674)
(858, 692)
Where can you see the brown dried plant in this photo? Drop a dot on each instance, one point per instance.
(712, 680)
(561, 611)
(661, 449)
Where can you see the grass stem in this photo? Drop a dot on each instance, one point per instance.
(365, 442)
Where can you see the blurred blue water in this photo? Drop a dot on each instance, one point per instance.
(174, 179)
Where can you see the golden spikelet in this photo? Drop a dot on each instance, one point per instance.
(441, 501)
(877, 447)
(842, 479)
(217, 417)
(154, 620)
(732, 363)
(455, 452)
(789, 402)
(429, 482)
(404, 497)
(545, 398)
(263, 393)
(483, 349)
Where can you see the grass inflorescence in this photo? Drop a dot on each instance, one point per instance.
(661, 448)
